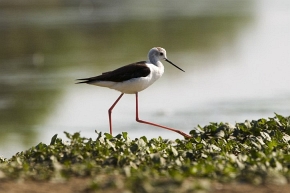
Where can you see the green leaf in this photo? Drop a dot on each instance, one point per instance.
(53, 139)
(125, 135)
(108, 136)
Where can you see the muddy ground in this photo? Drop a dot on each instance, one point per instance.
(80, 185)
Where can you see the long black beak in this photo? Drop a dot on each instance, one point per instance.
(173, 64)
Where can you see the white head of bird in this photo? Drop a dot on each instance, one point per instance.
(156, 54)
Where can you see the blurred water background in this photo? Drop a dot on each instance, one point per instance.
(236, 55)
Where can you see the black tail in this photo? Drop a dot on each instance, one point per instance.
(82, 80)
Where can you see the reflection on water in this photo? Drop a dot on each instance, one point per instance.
(48, 46)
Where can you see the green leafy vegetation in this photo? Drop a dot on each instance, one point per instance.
(256, 152)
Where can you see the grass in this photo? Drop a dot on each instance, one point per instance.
(255, 152)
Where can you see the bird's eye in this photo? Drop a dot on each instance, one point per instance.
(161, 54)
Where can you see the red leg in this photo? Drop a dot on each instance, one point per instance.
(110, 112)
(149, 123)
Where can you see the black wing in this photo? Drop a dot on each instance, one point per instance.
(135, 70)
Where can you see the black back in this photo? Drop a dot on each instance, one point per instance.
(134, 70)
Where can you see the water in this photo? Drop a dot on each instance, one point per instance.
(235, 55)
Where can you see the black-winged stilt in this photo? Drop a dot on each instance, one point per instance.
(133, 78)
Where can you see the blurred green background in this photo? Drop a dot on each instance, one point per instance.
(235, 54)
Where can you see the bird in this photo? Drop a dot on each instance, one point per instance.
(133, 78)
